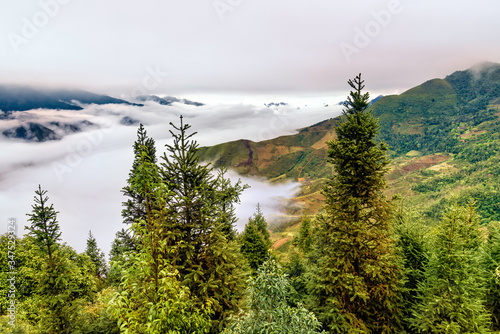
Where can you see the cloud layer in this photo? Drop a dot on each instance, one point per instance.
(85, 172)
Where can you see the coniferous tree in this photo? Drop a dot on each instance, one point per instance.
(62, 282)
(151, 298)
(253, 245)
(209, 263)
(412, 235)
(355, 286)
(451, 296)
(97, 257)
(225, 197)
(255, 240)
(261, 224)
(304, 239)
(123, 244)
(44, 226)
(491, 263)
(134, 206)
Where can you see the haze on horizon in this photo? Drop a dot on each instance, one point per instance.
(238, 46)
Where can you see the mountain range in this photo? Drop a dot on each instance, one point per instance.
(15, 98)
(444, 145)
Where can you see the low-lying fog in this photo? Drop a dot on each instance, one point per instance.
(85, 172)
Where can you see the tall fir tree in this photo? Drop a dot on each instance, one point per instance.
(61, 281)
(355, 285)
(134, 206)
(255, 240)
(44, 226)
(199, 234)
(97, 257)
(412, 242)
(123, 242)
(451, 295)
(208, 260)
(151, 298)
(491, 264)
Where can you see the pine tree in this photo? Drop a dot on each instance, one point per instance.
(97, 257)
(261, 224)
(255, 240)
(151, 298)
(304, 239)
(412, 241)
(207, 256)
(355, 285)
(123, 244)
(134, 206)
(491, 264)
(44, 226)
(62, 281)
(451, 296)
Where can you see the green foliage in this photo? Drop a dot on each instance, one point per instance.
(97, 257)
(491, 264)
(21, 327)
(201, 205)
(255, 240)
(355, 284)
(412, 236)
(268, 309)
(27, 262)
(150, 298)
(134, 206)
(304, 240)
(123, 243)
(156, 302)
(44, 226)
(63, 279)
(451, 296)
(185, 235)
(94, 317)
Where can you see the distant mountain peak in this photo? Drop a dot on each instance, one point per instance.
(22, 98)
(168, 100)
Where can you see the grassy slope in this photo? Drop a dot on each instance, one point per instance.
(444, 137)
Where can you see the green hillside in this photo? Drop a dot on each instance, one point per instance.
(444, 140)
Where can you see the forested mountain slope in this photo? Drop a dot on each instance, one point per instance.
(443, 136)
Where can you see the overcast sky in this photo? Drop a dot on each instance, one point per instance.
(242, 46)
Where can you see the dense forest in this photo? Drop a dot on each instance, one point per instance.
(366, 263)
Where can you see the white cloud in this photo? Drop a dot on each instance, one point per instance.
(85, 172)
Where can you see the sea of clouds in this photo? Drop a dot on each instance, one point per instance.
(84, 172)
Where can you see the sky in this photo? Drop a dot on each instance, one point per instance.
(241, 46)
(233, 55)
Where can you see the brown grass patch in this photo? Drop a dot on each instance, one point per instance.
(424, 162)
(281, 242)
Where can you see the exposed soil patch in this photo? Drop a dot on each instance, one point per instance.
(424, 162)
(281, 242)
(472, 133)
